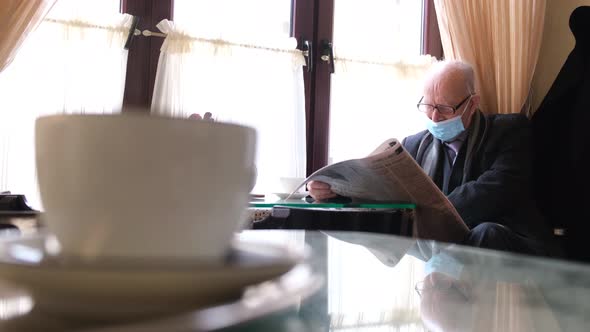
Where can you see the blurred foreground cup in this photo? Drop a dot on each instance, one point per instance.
(140, 186)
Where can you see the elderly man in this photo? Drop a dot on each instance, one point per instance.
(482, 163)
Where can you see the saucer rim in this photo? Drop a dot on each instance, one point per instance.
(58, 287)
(282, 255)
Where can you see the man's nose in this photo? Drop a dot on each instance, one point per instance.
(436, 116)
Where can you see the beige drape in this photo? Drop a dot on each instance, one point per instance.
(512, 307)
(17, 19)
(501, 39)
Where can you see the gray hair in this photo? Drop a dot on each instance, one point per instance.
(464, 68)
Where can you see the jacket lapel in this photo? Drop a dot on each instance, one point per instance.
(430, 158)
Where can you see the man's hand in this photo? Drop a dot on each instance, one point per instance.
(320, 190)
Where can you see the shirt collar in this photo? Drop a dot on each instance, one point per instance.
(460, 138)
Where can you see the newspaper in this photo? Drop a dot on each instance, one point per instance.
(390, 174)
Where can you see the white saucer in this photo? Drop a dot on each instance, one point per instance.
(122, 290)
(295, 196)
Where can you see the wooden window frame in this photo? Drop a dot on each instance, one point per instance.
(306, 14)
(141, 69)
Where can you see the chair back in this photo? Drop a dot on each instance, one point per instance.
(562, 145)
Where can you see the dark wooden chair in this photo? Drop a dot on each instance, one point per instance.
(561, 128)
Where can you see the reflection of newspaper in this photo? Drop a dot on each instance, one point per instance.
(390, 174)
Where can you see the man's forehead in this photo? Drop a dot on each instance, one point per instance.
(442, 97)
(445, 87)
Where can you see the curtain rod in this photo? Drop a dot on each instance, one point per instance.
(81, 24)
(148, 33)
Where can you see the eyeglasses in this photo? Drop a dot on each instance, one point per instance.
(420, 286)
(442, 109)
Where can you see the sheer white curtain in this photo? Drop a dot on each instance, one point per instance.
(256, 82)
(378, 75)
(73, 63)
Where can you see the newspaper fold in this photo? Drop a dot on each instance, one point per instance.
(390, 174)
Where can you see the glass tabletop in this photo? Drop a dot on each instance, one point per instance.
(380, 282)
(374, 282)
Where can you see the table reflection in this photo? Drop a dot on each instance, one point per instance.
(375, 282)
(386, 277)
(384, 283)
(14, 301)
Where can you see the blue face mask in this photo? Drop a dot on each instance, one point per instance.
(445, 130)
(444, 263)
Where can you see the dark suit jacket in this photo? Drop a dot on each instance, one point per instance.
(493, 183)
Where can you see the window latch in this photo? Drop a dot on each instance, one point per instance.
(307, 51)
(327, 54)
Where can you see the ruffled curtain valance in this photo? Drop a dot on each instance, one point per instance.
(254, 83)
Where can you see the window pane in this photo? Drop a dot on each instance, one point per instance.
(74, 62)
(84, 8)
(252, 76)
(235, 19)
(378, 29)
(378, 74)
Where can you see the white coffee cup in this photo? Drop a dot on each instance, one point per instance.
(289, 184)
(140, 186)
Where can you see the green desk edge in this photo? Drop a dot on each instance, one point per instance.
(396, 205)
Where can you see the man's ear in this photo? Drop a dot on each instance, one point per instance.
(473, 105)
